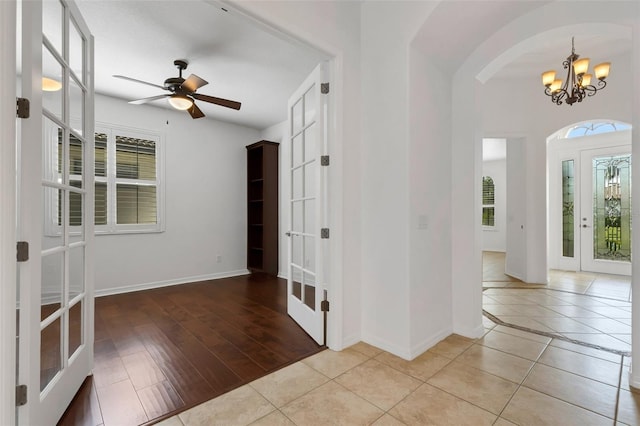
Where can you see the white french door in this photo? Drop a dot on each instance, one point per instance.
(55, 209)
(605, 210)
(306, 283)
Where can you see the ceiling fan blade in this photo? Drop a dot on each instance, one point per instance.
(135, 80)
(218, 101)
(193, 83)
(147, 100)
(195, 111)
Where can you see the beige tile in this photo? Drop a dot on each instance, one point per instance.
(452, 346)
(378, 383)
(524, 334)
(529, 407)
(583, 365)
(422, 367)
(241, 406)
(503, 422)
(289, 383)
(566, 325)
(171, 421)
(605, 325)
(431, 406)
(514, 345)
(475, 386)
(366, 349)
(586, 350)
(275, 418)
(577, 390)
(387, 420)
(629, 407)
(600, 339)
(573, 311)
(498, 363)
(331, 404)
(332, 363)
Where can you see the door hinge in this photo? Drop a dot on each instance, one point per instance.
(324, 88)
(22, 107)
(324, 233)
(22, 251)
(21, 395)
(324, 160)
(324, 306)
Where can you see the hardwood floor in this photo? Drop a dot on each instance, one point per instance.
(159, 352)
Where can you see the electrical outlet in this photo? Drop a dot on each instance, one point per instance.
(219, 259)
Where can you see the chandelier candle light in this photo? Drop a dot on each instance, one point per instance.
(578, 83)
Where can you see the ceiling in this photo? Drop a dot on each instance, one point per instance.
(241, 62)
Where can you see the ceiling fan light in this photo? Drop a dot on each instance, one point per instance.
(180, 102)
(548, 77)
(581, 66)
(50, 85)
(602, 70)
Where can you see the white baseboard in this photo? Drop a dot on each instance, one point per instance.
(167, 283)
(392, 348)
(428, 343)
(350, 341)
(471, 333)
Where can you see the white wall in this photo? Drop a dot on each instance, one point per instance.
(205, 201)
(496, 239)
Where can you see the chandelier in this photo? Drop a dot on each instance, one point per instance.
(578, 83)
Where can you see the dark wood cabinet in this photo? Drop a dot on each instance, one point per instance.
(262, 207)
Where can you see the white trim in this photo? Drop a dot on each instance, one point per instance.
(401, 351)
(167, 283)
(471, 333)
(418, 349)
(8, 19)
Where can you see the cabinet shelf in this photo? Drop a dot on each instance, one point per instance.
(262, 207)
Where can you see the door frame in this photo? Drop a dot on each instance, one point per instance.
(558, 150)
(336, 339)
(8, 76)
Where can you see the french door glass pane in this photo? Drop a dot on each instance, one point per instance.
(310, 105)
(568, 200)
(50, 352)
(310, 143)
(76, 271)
(309, 288)
(52, 270)
(75, 327)
(52, 92)
(76, 51)
(612, 208)
(52, 19)
(76, 106)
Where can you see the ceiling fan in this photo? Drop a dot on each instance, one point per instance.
(182, 92)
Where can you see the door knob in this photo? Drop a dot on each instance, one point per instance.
(288, 233)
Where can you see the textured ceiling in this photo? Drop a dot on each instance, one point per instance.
(241, 62)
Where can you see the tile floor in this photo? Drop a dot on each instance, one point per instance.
(507, 377)
(589, 308)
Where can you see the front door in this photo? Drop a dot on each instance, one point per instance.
(306, 284)
(55, 209)
(605, 211)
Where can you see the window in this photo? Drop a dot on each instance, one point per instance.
(488, 201)
(594, 128)
(128, 182)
